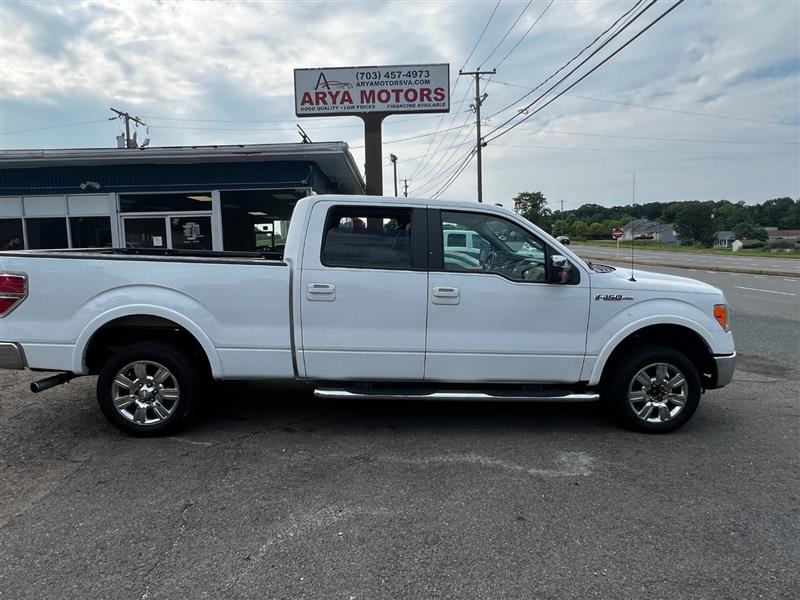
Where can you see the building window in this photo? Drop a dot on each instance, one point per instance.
(49, 232)
(90, 232)
(191, 233)
(367, 237)
(176, 202)
(256, 220)
(11, 234)
(145, 232)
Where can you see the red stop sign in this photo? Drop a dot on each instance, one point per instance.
(617, 233)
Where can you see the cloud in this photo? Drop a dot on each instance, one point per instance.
(232, 62)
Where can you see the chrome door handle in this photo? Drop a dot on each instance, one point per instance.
(321, 292)
(446, 295)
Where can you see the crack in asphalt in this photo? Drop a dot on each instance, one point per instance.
(145, 595)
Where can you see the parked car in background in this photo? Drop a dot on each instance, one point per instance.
(563, 239)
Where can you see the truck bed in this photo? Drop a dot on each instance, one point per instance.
(236, 304)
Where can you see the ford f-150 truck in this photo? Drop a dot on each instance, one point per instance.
(366, 300)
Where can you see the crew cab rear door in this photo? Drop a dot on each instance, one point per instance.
(364, 291)
(503, 315)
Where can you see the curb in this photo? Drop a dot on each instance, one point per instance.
(656, 263)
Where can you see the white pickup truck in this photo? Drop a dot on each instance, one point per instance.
(367, 301)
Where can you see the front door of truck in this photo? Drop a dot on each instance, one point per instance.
(364, 293)
(502, 315)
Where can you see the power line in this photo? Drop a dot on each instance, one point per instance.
(639, 150)
(660, 139)
(289, 122)
(455, 175)
(571, 60)
(452, 120)
(437, 169)
(686, 112)
(508, 31)
(593, 69)
(57, 126)
(583, 62)
(524, 35)
(648, 107)
(427, 168)
(432, 184)
(452, 92)
(462, 163)
(413, 137)
(480, 37)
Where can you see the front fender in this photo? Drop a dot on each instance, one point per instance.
(160, 302)
(606, 334)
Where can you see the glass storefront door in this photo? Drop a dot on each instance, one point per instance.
(190, 233)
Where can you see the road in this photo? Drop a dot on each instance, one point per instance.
(274, 494)
(685, 259)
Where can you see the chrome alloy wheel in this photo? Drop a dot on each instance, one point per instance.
(145, 392)
(658, 393)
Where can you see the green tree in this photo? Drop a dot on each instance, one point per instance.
(579, 229)
(598, 231)
(533, 206)
(694, 222)
(560, 227)
(748, 231)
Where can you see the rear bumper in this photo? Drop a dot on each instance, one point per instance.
(12, 356)
(725, 368)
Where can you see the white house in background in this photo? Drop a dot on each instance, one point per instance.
(644, 229)
(724, 239)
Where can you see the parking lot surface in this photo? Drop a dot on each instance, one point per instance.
(273, 494)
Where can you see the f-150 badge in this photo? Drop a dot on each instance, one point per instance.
(613, 297)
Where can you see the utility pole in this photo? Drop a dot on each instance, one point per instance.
(129, 143)
(393, 158)
(562, 216)
(478, 101)
(405, 187)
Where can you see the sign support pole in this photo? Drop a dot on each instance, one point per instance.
(373, 161)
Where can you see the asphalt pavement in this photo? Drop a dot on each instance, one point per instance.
(274, 494)
(758, 264)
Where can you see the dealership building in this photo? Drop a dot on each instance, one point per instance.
(201, 197)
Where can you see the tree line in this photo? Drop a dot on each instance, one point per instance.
(695, 221)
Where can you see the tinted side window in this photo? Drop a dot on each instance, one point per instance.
(368, 238)
(505, 248)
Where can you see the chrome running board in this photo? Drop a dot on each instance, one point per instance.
(502, 396)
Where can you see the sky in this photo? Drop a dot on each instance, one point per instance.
(705, 105)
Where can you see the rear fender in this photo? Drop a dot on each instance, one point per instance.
(168, 302)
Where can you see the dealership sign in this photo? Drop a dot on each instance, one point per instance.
(358, 90)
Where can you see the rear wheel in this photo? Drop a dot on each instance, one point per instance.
(655, 389)
(149, 388)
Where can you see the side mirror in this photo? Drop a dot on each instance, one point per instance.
(560, 269)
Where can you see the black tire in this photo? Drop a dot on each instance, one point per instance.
(619, 384)
(185, 381)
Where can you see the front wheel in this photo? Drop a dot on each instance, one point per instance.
(655, 389)
(148, 388)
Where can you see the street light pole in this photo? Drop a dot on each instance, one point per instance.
(393, 158)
